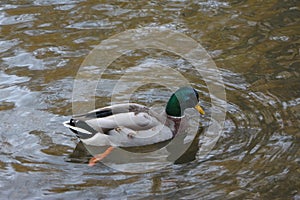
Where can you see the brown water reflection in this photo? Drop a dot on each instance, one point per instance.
(254, 43)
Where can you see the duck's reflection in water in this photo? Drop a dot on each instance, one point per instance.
(175, 151)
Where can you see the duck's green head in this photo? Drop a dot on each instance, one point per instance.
(183, 98)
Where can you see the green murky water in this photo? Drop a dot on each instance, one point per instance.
(255, 44)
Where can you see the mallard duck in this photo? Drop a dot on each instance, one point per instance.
(131, 124)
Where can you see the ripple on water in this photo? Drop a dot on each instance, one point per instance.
(55, 2)
(24, 59)
(98, 24)
(16, 19)
(5, 45)
(11, 94)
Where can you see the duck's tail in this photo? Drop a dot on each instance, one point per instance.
(80, 128)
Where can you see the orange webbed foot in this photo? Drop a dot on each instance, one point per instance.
(99, 157)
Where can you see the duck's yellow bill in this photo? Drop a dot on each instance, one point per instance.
(200, 110)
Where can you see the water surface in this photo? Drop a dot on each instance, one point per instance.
(255, 44)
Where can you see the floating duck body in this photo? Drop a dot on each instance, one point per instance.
(131, 124)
